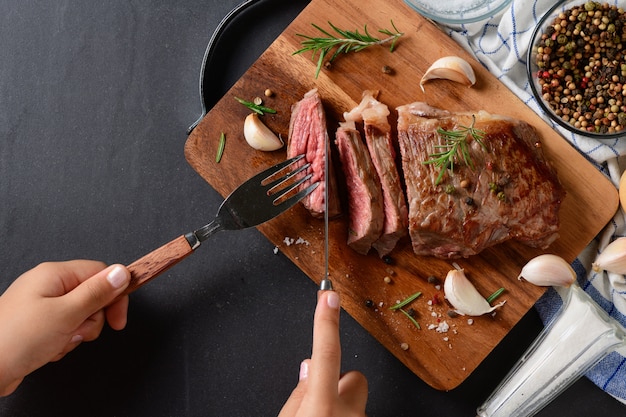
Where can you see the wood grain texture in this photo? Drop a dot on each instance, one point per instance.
(157, 261)
(443, 360)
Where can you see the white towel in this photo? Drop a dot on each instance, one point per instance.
(501, 43)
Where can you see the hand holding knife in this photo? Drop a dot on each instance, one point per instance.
(322, 385)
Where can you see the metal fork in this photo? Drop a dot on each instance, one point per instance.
(259, 199)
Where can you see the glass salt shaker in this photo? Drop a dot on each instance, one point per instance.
(577, 338)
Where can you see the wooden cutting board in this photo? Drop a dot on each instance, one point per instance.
(442, 359)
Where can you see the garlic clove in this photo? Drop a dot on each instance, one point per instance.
(259, 136)
(612, 258)
(464, 297)
(450, 68)
(548, 270)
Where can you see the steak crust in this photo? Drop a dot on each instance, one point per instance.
(511, 193)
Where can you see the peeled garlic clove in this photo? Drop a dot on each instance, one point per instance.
(450, 68)
(612, 258)
(464, 297)
(547, 270)
(259, 136)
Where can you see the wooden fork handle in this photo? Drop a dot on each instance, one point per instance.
(160, 260)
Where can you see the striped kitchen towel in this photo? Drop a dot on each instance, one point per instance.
(501, 43)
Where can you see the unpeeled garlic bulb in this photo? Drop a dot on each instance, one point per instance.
(612, 258)
(548, 270)
(450, 68)
(259, 136)
(464, 297)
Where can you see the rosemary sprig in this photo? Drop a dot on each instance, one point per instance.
(455, 147)
(411, 318)
(347, 41)
(257, 108)
(495, 295)
(220, 148)
(405, 301)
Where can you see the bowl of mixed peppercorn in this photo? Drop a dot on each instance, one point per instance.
(577, 66)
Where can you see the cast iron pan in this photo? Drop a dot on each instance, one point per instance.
(239, 39)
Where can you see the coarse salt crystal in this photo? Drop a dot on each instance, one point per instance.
(275, 250)
(301, 241)
(443, 327)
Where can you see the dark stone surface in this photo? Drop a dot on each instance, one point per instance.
(95, 101)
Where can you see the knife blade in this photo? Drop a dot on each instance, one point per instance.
(326, 284)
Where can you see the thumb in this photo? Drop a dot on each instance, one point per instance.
(98, 291)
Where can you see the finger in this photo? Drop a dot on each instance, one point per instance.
(78, 270)
(325, 364)
(353, 390)
(71, 345)
(96, 292)
(67, 276)
(91, 328)
(295, 399)
(117, 313)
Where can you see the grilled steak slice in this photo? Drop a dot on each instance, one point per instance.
(365, 199)
(380, 144)
(511, 193)
(308, 135)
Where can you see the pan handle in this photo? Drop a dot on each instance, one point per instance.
(160, 260)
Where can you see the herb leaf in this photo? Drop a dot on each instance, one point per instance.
(220, 148)
(495, 295)
(411, 318)
(346, 41)
(455, 147)
(405, 301)
(257, 108)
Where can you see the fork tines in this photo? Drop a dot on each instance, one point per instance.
(289, 185)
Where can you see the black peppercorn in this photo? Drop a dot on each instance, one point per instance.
(582, 62)
(433, 280)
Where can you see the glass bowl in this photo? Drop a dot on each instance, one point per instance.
(577, 67)
(458, 11)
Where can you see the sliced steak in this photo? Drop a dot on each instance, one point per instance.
(511, 193)
(380, 144)
(308, 135)
(365, 199)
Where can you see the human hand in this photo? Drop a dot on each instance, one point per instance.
(51, 309)
(322, 391)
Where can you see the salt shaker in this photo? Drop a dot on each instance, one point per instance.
(577, 338)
